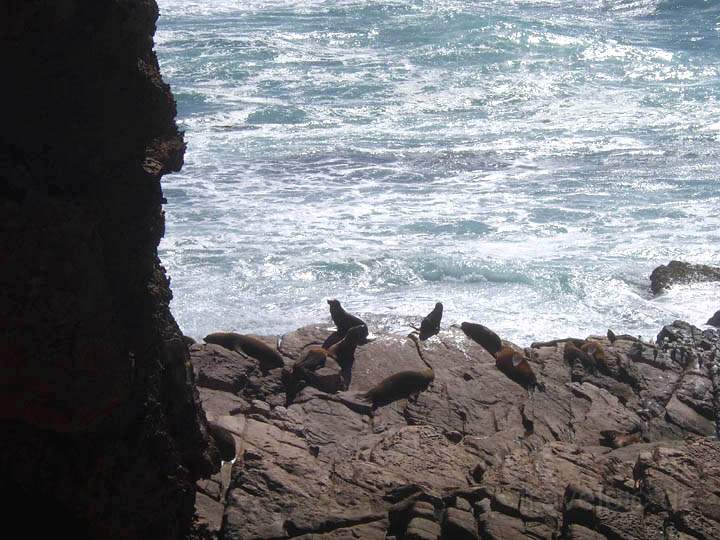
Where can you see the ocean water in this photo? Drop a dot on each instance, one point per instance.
(527, 163)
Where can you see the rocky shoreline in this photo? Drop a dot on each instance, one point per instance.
(622, 447)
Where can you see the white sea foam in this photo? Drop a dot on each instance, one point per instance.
(528, 163)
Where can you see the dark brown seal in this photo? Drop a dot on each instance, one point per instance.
(573, 355)
(344, 350)
(430, 325)
(401, 385)
(343, 320)
(296, 378)
(268, 357)
(483, 336)
(515, 366)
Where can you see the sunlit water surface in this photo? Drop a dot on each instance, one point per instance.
(527, 163)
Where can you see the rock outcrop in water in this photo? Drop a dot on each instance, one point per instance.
(615, 442)
(678, 272)
(103, 436)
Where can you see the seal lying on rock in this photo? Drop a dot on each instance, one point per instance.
(617, 439)
(401, 385)
(515, 366)
(268, 357)
(483, 336)
(573, 354)
(430, 325)
(313, 359)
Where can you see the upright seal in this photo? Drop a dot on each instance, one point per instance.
(430, 325)
(344, 321)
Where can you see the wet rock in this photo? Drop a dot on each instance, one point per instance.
(715, 319)
(678, 272)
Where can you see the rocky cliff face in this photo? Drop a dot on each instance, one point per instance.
(99, 414)
(616, 439)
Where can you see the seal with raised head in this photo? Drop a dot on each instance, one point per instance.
(515, 366)
(343, 320)
(268, 357)
(483, 336)
(344, 350)
(611, 336)
(430, 325)
(401, 385)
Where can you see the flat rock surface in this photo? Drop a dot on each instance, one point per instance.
(476, 455)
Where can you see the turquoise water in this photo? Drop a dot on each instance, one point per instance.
(527, 163)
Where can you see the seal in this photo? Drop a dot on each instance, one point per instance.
(343, 320)
(268, 357)
(483, 336)
(515, 366)
(618, 439)
(611, 336)
(314, 358)
(572, 354)
(344, 353)
(224, 441)
(296, 378)
(430, 325)
(188, 341)
(554, 342)
(401, 385)
(597, 353)
(344, 350)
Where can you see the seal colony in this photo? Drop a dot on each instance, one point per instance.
(337, 352)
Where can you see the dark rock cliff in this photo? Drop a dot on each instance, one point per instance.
(102, 431)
